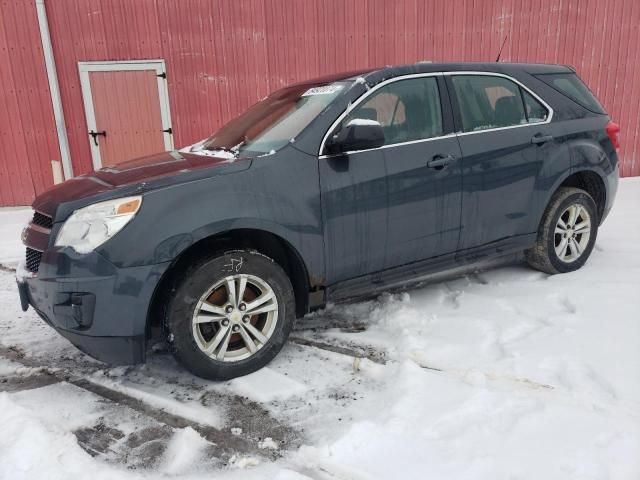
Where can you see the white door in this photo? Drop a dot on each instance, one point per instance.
(127, 110)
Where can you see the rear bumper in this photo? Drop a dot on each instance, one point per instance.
(99, 308)
(612, 180)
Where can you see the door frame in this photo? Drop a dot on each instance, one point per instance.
(158, 66)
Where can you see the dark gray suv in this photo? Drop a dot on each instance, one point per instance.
(326, 190)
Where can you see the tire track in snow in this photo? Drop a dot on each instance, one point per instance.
(379, 357)
(228, 445)
(472, 376)
(357, 352)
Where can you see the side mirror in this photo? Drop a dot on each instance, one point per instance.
(358, 134)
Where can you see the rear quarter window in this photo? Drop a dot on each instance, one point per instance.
(570, 85)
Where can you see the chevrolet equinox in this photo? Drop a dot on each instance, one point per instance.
(325, 191)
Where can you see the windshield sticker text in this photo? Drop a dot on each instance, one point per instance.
(325, 90)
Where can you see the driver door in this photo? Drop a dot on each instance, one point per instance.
(400, 203)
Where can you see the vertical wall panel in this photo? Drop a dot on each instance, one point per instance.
(223, 55)
(28, 140)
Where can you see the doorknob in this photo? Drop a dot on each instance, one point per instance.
(539, 139)
(168, 130)
(440, 161)
(95, 135)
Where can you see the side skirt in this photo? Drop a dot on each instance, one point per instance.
(406, 275)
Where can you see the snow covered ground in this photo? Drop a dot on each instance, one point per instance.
(505, 373)
(12, 221)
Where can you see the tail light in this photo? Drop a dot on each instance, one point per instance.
(613, 130)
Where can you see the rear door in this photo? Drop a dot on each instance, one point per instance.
(505, 139)
(400, 203)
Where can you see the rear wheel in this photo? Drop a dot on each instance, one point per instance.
(567, 233)
(231, 314)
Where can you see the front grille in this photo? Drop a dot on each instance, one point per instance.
(42, 220)
(33, 260)
(33, 256)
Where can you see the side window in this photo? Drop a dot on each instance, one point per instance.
(388, 107)
(488, 102)
(536, 112)
(569, 84)
(407, 110)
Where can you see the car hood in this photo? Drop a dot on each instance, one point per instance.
(134, 177)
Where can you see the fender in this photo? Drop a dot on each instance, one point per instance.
(562, 179)
(278, 194)
(311, 262)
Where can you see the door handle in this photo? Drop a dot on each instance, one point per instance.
(95, 135)
(539, 139)
(440, 161)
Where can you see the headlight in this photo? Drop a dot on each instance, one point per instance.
(89, 227)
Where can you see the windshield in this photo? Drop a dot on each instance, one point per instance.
(270, 124)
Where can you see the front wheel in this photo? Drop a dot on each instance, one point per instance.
(231, 314)
(567, 232)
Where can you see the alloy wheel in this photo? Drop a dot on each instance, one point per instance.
(235, 318)
(572, 233)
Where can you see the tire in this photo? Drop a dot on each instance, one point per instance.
(197, 290)
(544, 254)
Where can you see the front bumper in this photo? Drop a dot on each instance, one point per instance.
(100, 308)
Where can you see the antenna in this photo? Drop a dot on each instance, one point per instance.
(500, 52)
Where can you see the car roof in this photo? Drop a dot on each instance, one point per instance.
(375, 75)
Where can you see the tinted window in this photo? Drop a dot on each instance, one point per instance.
(488, 102)
(570, 85)
(535, 111)
(407, 110)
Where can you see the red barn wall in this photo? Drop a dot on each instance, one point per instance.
(28, 140)
(223, 55)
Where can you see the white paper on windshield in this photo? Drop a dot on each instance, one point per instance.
(324, 90)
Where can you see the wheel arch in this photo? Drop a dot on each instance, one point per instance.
(589, 180)
(262, 241)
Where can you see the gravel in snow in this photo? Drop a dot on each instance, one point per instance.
(505, 373)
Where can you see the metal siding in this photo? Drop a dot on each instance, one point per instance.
(223, 55)
(28, 140)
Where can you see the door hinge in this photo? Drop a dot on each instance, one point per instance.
(168, 130)
(162, 75)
